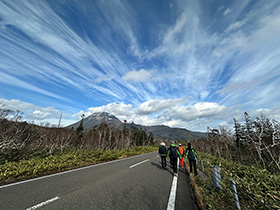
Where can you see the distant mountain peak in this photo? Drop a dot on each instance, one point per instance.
(161, 131)
(97, 118)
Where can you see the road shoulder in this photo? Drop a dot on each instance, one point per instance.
(185, 198)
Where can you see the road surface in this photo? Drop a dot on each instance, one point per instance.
(135, 183)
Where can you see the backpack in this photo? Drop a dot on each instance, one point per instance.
(162, 150)
(173, 152)
(191, 155)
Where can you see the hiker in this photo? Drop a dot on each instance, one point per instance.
(163, 153)
(173, 154)
(192, 156)
(181, 150)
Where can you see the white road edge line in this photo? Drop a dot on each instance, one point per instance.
(69, 171)
(43, 203)
(139, 163)
(172, 196)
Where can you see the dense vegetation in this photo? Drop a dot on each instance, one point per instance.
(253, 184)
(250, 156)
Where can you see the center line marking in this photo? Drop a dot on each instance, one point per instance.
(43, 203)
(139, 163)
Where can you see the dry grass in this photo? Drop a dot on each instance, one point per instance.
(196, 188)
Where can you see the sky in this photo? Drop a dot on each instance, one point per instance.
(184, 63)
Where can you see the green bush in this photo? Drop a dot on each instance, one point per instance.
(260, 183)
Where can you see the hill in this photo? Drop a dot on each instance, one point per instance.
(166, 132)
(159, 131)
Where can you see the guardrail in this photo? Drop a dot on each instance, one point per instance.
(241, 198)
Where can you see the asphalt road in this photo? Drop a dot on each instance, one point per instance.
(132, 183)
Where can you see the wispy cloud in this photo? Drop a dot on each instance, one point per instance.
(11, 80)
(226, 11)
(126, 55)
(69, 57)
(255, 66)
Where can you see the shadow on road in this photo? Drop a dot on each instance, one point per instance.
(158, 165)
(183, 170)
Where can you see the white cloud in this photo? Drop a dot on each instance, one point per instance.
(168, 112)
(121, 109)
(154, 106)
(41, 115)
(175, 124)
(227, 11)
(198, 110)
(138, 76)
(31, 111)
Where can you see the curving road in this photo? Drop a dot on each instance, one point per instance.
(132, 183)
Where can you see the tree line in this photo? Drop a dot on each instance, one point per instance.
(252, 142)
(22, 140)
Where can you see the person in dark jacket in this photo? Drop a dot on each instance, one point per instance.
(173, 153)
(192, 157)
(163, 153)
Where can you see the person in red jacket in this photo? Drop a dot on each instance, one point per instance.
(181, 150)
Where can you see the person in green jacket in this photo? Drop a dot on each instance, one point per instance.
(192, 156)
(173, 153)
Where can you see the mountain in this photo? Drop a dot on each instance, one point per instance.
(159, 131)
(96, 119)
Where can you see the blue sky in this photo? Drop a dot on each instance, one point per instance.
(188, 63)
